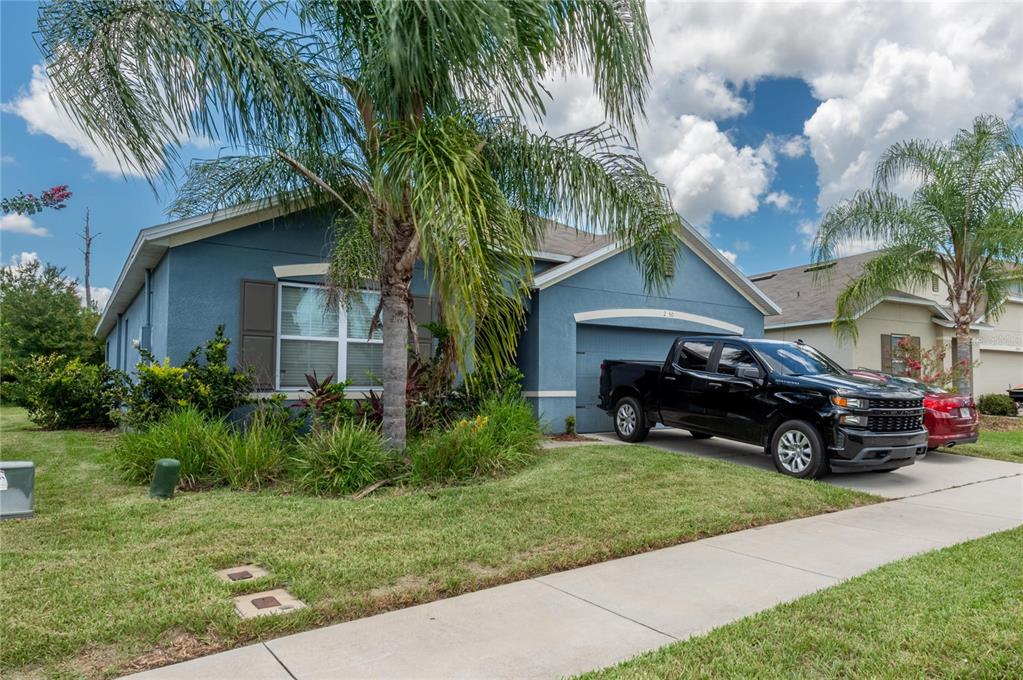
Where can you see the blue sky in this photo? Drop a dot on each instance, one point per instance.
(759, 117)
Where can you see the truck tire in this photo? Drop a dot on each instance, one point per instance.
(798, 450)
(629, 420)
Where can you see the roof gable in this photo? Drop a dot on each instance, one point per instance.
(691, 239)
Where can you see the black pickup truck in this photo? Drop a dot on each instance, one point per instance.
(806, 411)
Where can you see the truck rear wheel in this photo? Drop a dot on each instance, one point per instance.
(629, 420)
(798, 450)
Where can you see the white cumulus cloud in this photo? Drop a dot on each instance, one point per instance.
(21, 224)
(100, 295)
(781, 200)
(21, 259)
(43, 116)
(707, 173)
(728, 255)
(36, 107)
(883, 72)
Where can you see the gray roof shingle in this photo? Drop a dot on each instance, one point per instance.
(800, 297)
(564, 240)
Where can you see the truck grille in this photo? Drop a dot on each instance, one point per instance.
(896, 403)
(894, 423)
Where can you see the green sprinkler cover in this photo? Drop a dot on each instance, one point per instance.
(165, 478)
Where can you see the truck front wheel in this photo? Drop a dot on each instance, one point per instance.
(630, 421)
(798, 450)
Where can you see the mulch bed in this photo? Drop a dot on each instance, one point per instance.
(1001, 423)
(571, 438)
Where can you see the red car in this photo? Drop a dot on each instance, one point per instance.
(949, 418)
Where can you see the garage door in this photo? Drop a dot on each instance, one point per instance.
(593, 344)
(997, 371)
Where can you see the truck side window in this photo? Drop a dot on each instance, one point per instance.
(694, 355)
(732, 357)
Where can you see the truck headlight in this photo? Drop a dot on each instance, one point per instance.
(848, 402)
(855, 421)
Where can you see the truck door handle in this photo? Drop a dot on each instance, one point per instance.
(714, 386)
(669, 377)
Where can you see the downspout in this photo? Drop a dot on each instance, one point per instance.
(120, 344)
(149, 297)
(146, 339)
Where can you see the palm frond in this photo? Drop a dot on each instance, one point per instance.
(214, 184)
(892, 269)
(589, 178)
(144, 75)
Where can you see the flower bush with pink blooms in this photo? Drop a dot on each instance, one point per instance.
(928, 365)
(54, 198)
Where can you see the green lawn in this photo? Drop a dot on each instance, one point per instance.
(105, 580)
(998, 445)
(952, 613)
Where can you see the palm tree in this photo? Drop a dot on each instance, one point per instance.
(963, 223)
(404, 119)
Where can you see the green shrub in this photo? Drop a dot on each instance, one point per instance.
(996, 405)
(254, 457)
(502, 438)
(342, 459)
(327, 401)
(62, 393)
(210, 386)
(186, 435)
(570, 425)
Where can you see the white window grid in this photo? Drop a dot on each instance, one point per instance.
(341, 339)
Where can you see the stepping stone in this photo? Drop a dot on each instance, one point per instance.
(268, 602)
(246, 572)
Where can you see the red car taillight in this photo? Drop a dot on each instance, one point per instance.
(945, 404)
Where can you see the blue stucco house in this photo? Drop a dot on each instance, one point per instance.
(258, 269)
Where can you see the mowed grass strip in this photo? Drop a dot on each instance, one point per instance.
(998, 445)
(104, 580)
(951, 613)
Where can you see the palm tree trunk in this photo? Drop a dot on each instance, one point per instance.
(396, 281)
(964, 358)
(395, 325)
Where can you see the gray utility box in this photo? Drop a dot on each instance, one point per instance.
(17, 477)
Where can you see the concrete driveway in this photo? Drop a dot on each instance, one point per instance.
(935, 472)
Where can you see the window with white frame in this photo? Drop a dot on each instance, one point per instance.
(316, 337)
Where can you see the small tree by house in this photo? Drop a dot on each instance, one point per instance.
(928, 364)
(962, 223)
(43, 315)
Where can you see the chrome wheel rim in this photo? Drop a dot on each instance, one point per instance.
(626, 419)
(794, 451)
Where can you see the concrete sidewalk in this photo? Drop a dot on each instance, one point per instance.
(588, 618)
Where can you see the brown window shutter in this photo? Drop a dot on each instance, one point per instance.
(886, 353)
(257, 351)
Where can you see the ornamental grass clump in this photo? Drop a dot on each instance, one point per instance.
(256, 456)
(341, 460)
(502, 438)
(185, 435)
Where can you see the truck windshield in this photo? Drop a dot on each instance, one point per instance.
(793, 359)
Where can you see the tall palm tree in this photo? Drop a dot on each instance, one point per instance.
(963, 223)
(402, 118)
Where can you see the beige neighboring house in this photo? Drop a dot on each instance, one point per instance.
(808, 308)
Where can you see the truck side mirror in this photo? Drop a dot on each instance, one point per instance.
(749, 373)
